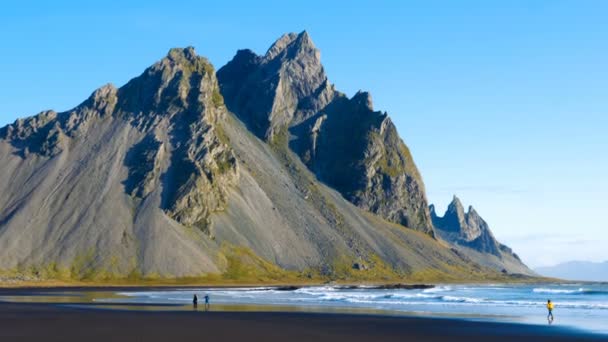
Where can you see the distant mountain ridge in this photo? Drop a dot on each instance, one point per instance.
(577, 270)
(263, 173)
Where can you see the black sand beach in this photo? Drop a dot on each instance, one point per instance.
(49, 322)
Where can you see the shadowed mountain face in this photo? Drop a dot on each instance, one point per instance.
(286, 98)
(286, 179)
(469, 232)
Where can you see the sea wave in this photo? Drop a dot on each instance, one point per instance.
(557, 291)
(570, 291)
(359, 295)
(407, 296)
(396, 299)
(425, 299)
(437, 289)
(462, 299)
(315, 290)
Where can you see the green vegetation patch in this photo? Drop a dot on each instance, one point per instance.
(217, 98)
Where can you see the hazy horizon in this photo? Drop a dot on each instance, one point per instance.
(500, 104)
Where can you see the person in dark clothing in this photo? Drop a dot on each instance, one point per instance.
(206, 302)
(195, 302)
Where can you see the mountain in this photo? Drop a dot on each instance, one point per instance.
(261, 172)
(577, 270)
(343, 141)
(473, 237)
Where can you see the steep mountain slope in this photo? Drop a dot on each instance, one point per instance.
(106, 185)
(157, 179)
(472, 236)
(285, 95)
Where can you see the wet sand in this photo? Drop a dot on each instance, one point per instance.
(50, 322)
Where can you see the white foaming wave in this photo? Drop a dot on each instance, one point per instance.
(241, 292)
(317, 290)
(357, 297)
(462, 299)
(377, 298)
(379, 302)
(481, 301)
(349, 296)
(408, 296)
(178, 299)
(144, 294)
(437, 289)
(568, 305)
(557, 291)
(425, 299)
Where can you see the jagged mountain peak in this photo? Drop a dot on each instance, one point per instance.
(182, 60)
(364, 99)
(245, 55)
(472, 212)
(104, 91)
(457, 209)
(290, 45)
(467, 229)
(103, 99)
(454, 217)
(456, 204)
(182, 79)
(268, 92)
(457, 219)
(180, 54)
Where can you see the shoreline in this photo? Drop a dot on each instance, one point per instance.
(54, 322)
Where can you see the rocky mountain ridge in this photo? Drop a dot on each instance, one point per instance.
(264, 173)
(285, 95)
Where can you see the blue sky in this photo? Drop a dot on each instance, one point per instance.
(501, 102)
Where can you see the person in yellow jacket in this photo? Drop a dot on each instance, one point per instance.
(550, 308)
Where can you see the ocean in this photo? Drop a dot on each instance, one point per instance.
(582, 306)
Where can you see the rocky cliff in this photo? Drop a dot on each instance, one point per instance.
(472, 235)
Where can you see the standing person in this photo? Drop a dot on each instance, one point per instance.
(206, 302)
(550, 308)
(195, 302)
